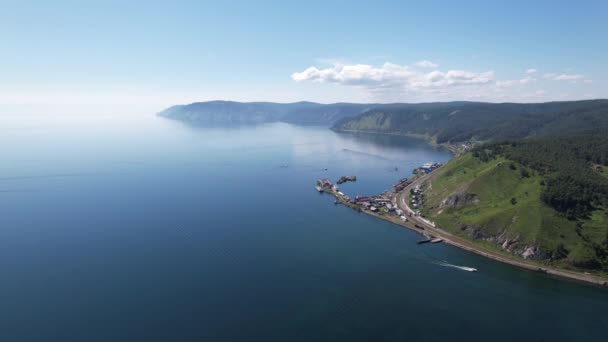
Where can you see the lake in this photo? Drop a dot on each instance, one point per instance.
(139, 228)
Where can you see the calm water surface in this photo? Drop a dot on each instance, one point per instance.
(129, 228)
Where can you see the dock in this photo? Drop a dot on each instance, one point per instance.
(344, 179)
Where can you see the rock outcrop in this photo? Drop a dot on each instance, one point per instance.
(460, 199)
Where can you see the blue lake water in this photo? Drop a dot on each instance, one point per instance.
(138, 228)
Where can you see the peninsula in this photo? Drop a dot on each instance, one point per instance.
(461, 203)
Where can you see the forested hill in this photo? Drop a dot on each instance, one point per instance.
(244, 113)
(572, 168)
(541, 198)
(455, 122)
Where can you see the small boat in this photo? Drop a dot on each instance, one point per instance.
(437, 240)
(319, 189)
(420, 242)
(463, 268)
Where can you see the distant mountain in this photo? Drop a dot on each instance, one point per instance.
(244, 113)
(454, 122)
(443, 122)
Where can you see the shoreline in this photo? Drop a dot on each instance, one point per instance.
(453, 149)
(462, 243)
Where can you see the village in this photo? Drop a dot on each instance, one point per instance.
(385, 204)
(426, 168)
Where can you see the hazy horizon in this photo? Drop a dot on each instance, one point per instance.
(141, 58)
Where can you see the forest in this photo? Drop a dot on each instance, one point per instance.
(572, 168)
(455, 122)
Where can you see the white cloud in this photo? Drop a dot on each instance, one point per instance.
(390, 82)
(563, 77)
(507, 83)
(513, 83)
(527, 80)
(426, 64)
(356, 74)
(392, 75)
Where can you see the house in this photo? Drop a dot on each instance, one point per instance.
(399, 212)
(324, 183)
(373, 209)
(361, 199)
(403, 218)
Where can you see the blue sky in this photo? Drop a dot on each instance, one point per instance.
(72, 56)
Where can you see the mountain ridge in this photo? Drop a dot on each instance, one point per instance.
(445, 123)
(449, 123)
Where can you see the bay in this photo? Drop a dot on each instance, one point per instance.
(138, 228)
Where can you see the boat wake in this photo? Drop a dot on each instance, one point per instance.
(365, 154)
(464, 268)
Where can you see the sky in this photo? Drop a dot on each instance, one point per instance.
(143, 56)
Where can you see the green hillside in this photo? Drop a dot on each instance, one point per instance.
(501, 196)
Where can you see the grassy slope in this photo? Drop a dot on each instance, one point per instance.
(495, 183)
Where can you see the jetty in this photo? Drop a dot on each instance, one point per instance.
(345, 179)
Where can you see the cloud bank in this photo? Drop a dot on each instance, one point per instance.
(391, 75)
(563, 77)
(394, 82)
